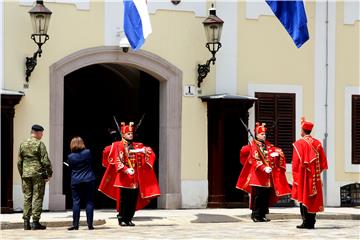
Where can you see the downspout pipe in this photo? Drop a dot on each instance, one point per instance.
(326, 93)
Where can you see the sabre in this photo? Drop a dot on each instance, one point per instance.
(117, 126)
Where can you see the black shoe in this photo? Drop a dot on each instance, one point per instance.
(73, 228)
(306, 226)
(258, 219)
(27, 225)
(119, 218)
(123, 224)
(130, 224)
(37, 226)
(266, 219)
(91, 227)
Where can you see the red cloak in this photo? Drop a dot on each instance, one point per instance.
(115, 176)
(308, 162)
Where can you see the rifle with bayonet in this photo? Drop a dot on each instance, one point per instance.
(262, 154)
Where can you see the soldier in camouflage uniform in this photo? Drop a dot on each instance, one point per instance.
(35, 170)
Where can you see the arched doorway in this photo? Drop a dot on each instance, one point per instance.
(93, 95)
(169, 131)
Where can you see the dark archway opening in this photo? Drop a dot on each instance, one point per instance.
(92, 96)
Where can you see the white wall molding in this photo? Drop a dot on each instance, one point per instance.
(331, 186)
(80, 4)
(113, 22)
(256, 8)
(2, 53)
(199, 7)
(349, 91)
(226, 58)
(351, 11)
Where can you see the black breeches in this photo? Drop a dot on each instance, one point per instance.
(128, 203)
(260, 201)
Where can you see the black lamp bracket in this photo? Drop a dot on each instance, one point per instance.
(204, 69)
(31, 62)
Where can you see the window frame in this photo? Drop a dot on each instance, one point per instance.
(349, 167)
(277, 134)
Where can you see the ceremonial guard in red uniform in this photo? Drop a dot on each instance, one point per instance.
(308, 162)
(129, 177)
(263, 174)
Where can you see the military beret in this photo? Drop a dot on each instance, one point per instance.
(37, 128)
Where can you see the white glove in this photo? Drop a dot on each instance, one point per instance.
(140, 150)
(274, 154)
(130, 171)
(268, 169)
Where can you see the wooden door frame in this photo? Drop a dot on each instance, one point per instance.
(216, 105)
(8, 102)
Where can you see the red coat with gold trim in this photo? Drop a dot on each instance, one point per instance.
(308, 162)
(117, 158)
(253, 174)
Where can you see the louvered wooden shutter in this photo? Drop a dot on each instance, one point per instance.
(355, 145)
(277, 110)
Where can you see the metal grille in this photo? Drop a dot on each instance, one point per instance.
(350, 195)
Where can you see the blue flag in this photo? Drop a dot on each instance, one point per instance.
(293, 17)
(137, 24)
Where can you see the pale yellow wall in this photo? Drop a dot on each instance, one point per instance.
(267, 55)
(347, 75)
(70, 30)
(179, 38)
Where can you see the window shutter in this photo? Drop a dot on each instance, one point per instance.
(355, 145)
(277, 110)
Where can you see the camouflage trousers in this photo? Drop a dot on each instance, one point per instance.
(33, 190)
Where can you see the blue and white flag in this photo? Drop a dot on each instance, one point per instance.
(293, 17)
(137, 24)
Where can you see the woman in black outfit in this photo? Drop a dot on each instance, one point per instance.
(82, 181)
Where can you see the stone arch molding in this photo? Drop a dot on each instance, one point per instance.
(170, 78)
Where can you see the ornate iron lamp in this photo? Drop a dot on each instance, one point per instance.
(213, 27)
(40, 18)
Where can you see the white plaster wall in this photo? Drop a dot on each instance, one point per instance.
(351, 11)
(2, 44)
(199, 7)
(331, 186)
(80, 4)
(256, 8)
(113, 14)
(194, 193)
(226, 58)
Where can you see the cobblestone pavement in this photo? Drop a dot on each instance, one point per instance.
(193, 224)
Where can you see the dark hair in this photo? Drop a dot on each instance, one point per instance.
(307, 132)
(76, 144)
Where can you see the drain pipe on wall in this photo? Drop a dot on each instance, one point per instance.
(326, 95)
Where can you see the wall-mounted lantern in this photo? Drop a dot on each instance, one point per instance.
(213, 26)
(40, 18)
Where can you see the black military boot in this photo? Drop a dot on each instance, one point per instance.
(37, 226)
(27, 225)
